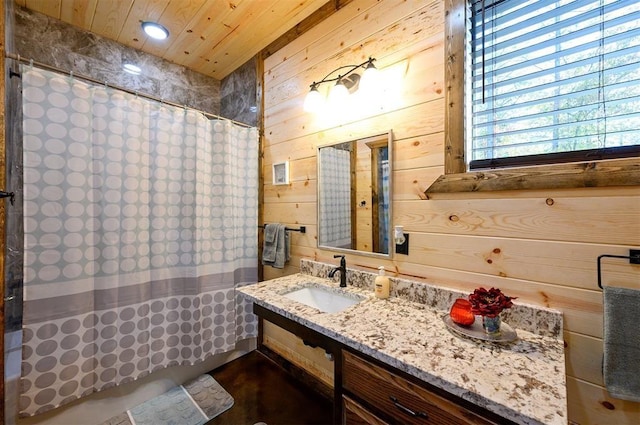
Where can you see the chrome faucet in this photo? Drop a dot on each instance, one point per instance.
(342, 269)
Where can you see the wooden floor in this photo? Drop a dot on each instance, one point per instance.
(264, 392)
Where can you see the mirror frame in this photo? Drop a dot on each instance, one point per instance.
(391, 249)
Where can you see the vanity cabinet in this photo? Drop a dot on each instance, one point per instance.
(374, 394)
(356, 414)
(367, 391)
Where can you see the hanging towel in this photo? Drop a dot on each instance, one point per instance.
(275, 251)
(269, 248)
(621, 366)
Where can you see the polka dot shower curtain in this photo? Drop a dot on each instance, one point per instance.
(140, 221)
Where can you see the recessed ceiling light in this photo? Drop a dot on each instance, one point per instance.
(155, 30)
(132, 69)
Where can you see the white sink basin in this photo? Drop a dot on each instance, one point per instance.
(326, 300)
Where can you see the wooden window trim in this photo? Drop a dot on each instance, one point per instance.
(614, 172)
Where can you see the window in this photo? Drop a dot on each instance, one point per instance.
(545, 93)
(553, 81)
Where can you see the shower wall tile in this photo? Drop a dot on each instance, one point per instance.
(59, 44)
(14, 221)
(238, 94)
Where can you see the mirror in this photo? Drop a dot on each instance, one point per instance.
(354, 195)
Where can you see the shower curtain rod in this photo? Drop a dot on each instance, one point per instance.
(19, 58)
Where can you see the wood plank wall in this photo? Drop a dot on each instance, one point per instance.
(540, 246)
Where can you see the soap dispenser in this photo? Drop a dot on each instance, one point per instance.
(381, 284)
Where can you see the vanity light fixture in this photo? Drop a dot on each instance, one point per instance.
(155, 30)
(345, 82)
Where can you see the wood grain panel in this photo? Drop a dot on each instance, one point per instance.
(408, 184)
(299, 170)
(297, 191)
(213, 22)
(132, 33)
(408, 154)
(417, 152)
(213, 40)
(423, 118)
(404, 124)
(47, 7)
(566, 219)
(355, 414)
(78, 12)
(589, 404)
(109, 17)
(177, 17)
(584, 357)
(561, 263)
(426, 61)
(291, 213)
(539, 245)
(379, 388)
(291, 347)
(407, 79)
(258, 33)
(392, 22)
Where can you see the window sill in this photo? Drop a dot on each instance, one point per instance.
(622, 172)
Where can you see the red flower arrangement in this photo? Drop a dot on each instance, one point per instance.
(489, 303)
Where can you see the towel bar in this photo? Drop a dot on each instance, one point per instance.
(627, 257)
(302, 229)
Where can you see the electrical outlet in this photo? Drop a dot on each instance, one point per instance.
(403, 248)
(635, 256)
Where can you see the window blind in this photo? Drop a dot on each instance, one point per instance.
(553, 77)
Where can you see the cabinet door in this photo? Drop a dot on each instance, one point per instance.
(398, 398)
(354, 413)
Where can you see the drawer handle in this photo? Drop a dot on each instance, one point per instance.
(408, 411)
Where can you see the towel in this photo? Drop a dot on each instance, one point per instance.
(621, 365)
(269, 248)
(275, 251)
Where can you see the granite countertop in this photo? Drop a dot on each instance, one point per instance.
(523, 381)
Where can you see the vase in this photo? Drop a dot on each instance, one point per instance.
(491, 325)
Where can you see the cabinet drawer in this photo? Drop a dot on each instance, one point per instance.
(355, 414)
(398, 398)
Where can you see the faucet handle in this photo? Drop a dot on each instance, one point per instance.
(338, 256)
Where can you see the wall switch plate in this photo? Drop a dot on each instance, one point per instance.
(635, 256)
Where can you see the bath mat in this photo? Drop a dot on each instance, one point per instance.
(193, 403)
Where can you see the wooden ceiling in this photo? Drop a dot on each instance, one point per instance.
(212, 37)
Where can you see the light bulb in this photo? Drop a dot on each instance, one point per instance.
(313, 101)
(369, 80)
(155, 30)
(132, 69)
(338, 94)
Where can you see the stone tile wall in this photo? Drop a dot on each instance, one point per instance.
(59, 44)
(238, 94)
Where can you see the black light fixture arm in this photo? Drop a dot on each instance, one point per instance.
(326, 78)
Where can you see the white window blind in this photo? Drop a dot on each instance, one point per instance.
(552, 77)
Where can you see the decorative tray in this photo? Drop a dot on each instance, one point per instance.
(507, 333)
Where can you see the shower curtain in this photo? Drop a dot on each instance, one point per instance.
(140, 221)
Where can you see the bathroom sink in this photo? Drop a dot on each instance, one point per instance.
(324, 299)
